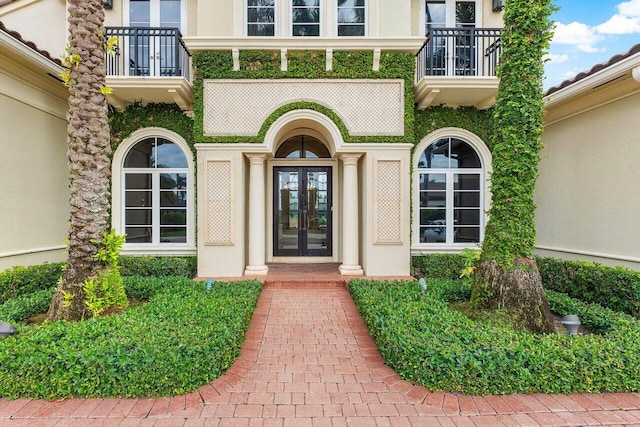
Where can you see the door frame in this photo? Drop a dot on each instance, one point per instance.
(335, 231)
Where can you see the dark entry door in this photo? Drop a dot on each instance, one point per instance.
(302, 211)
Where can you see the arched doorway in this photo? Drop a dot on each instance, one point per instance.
(302, 199)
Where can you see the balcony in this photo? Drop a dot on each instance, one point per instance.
(148, 65)
(457, 67)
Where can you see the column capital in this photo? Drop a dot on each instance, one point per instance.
(350, 158)
(256, 158)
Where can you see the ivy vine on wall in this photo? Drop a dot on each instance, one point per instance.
(138, 116)
(479, 122)
(301, 65)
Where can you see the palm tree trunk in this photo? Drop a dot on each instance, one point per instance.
(89, 158)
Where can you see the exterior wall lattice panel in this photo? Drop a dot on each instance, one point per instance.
(388, 202)
(367, 107)
(219, 207)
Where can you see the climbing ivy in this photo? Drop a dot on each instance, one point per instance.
(138, 116)
(510, 233)
(303, 64)
(480, 122)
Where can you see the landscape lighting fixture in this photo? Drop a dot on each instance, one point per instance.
(572, 323)
(6, 329)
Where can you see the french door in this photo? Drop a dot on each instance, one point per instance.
(451, 24)
(302, 211)
(152, 48)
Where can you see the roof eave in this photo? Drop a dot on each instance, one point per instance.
(28, 54)
(628, 65)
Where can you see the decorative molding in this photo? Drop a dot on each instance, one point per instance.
(32, 251)
(219, 207)
(235, 53)
(226, 103)
(376, 60)
(400, 44)
(588, 253)
(284, 64)
(387, 202)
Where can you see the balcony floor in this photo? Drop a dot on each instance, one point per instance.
(130, 89)
(457, 91)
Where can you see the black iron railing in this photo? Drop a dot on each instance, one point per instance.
(153, 52)
(459, 52)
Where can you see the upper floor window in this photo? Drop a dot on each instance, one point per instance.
(261, 17)
(449, 14)
(155, 13)
(305, 18)
(451, 188)
(351, 17)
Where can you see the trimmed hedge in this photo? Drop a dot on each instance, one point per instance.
(18, 309)
(182, 338)
(158, 266)
(438, 266)
(20, 280)
(430, 345)
(614, 287)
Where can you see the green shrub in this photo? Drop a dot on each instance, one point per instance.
(429, 344)
(144, 288)
(438, 266)
(21, 280)
(182, 338)
(159, 266)
(614, 287)
(18, 309)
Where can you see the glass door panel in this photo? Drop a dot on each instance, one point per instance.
(287, 241)
(302, 211)
(153, 52)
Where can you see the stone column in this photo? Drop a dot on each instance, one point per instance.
(257, 216)
(350, 216)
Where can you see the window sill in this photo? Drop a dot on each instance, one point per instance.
(423, 249)
(183, 250)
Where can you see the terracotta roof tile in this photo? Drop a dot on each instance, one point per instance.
(16, 35)
(614, 59)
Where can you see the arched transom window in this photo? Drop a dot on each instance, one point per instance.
(156, 195)
(451, 191)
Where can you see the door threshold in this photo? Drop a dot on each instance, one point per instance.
(303, 259)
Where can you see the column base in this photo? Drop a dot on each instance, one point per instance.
(351, 270)
(256, 270)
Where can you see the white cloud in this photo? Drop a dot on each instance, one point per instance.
(630, 8)
(626, 21)
(580, 35)
(553, 58)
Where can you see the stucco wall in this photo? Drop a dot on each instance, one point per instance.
(587, 194)
(33, 167)
(40, 21)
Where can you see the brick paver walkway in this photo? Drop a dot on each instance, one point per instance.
(309, 360)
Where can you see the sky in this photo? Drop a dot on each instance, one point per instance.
(589, 32)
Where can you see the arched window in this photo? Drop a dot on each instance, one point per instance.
(155, 194)
(303, 147)
(450, 186)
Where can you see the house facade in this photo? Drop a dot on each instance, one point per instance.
(587, 193)
(251, 132)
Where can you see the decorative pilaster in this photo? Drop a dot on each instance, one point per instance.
(350, 216)
(257, 209)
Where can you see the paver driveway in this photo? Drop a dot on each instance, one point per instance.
(309, 360)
